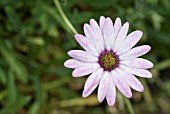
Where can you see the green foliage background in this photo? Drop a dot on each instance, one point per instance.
(34, 41)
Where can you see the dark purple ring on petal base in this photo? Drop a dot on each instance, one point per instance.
(108, 60)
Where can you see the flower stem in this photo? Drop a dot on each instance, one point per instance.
(63, 16)
(129, 105)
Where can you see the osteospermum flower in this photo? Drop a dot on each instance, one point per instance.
(109, 59)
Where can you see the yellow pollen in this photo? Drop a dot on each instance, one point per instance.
(108, 61)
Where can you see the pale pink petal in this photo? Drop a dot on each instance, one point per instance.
(83, 56)
(103, 87)
(141, 73)
(135, 52)
(99, 37)
(138, 72)
(121, 83)
(121, 36)
(72, 63)
(85, 69)
(117, 26)
(108, 34)
(92, 82)
(111, 94)
(134, 82)
(137, 63)
(130, 41)
(87, 31)
(92, 36)
(86, 44)
(102, 22)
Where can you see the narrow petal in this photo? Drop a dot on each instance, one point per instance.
(82, 56)
(92, 82)
(86, 31)
(138, 72)
(137, 63)
(103, 87)
(99, 37)
(134, 82)
(86, 44)
(108, 34)
(121, 36)
(117, 26)
(72, 63)
(111, 94)
(91, 35)
(130, 41)
(141, 73)
(135, 52)
(101, 22)
(121, 83)
(85, 69)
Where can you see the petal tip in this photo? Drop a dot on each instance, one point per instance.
(126, 24)
(74, 74)
(66, 64)
(118, 19)
(102, 17)
(77, 35)
(148, 47)
(151, 65)
(100, 100)
(129, 96)
(108, 18)
(69, 53)
(86, 26)
(142, 90)
(110, 104)
(84, 95)
(150, 76)
(140, 32)
(92, 21)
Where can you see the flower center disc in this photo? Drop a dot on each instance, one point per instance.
(107, 61)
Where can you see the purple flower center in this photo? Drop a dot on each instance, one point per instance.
(108, 60)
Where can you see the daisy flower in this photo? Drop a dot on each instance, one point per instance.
(109, 59)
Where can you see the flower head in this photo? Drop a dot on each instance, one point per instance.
(109, 59)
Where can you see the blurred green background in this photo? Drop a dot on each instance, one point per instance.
(34, 41)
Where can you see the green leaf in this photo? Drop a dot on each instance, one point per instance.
(36, 40)
(162, 37)
(3, 78)
(13, 62)
(13, 18)
(34, 109)
(101, 3)
(16, 105)
(12, 89)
